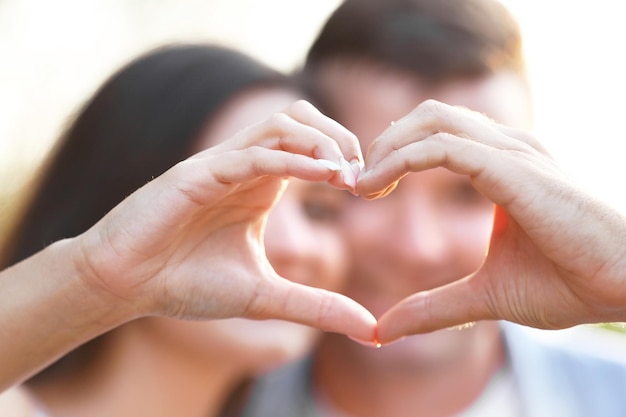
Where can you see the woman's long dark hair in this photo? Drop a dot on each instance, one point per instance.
(143, 120)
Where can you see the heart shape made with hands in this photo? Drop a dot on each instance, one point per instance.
(385, 331)
(550, 259)
(521, 274)
(533, 248)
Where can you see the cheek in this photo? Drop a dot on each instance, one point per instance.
(471, 233)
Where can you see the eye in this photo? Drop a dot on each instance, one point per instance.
(460, 193)
(321, 210)
(464, 193)
(318, 202)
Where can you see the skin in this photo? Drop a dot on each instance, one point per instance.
(555, 257)
(300, 239)
(168, 249)
(431, 230)
(550, 278)
(204, 360)
(556, 254)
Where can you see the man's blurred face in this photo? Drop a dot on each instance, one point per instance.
(434, 228)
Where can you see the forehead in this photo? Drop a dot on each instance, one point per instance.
(244, 109)
(502, 96)
(367, 99)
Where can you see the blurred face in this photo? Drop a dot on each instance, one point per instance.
(434, 228)
(302, 244)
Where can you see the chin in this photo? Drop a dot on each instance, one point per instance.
(269, 343)
(419, 353)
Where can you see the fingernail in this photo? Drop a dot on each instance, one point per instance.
(365, 174)
(376, 341)
(367, 343)
(348, 174)
(357, 166)
(329, 165)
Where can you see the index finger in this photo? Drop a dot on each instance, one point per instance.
(306, 113)
(432, 117)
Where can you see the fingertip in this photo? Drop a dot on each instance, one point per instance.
(378, 194)
(451, 306)
(372, 339)
(349, 177)
(326, 310)
(367, 343)
(330, 165)
(390, 330)
(357, 166)
(363, 327)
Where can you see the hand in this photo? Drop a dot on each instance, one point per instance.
(556, 256)
(189, 244)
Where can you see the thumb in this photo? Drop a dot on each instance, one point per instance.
(315, 307)
(455, 304)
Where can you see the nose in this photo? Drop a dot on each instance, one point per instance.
(418, 233)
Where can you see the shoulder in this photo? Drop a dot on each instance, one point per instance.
(581, 370)
(587, 343)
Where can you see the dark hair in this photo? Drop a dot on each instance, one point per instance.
(143, 120)
(437, 40)
(147, 117)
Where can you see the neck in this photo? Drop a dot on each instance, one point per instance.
(433, 375)
(137, 376)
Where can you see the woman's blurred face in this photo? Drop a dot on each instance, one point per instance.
(301, 238)
(302, 244)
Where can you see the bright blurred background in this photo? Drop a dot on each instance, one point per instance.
(54, 54)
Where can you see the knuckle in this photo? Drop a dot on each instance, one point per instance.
(301, 106)
(278, 120)
(431, 106)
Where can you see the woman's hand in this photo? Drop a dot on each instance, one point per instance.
(557, 255)
(190, 243)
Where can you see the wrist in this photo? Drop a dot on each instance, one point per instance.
(47, 310)
(89, 288)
